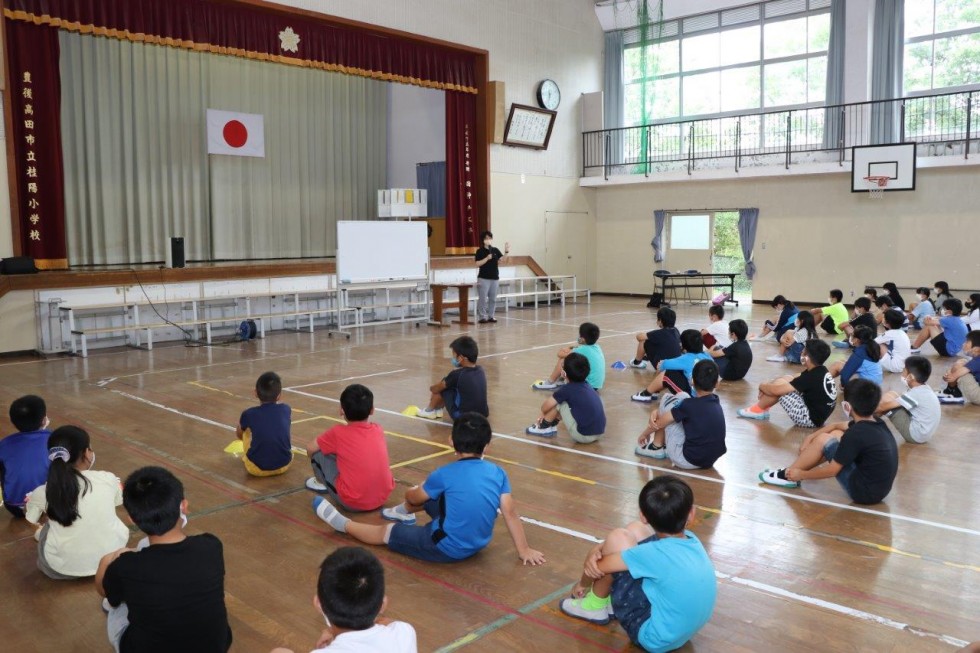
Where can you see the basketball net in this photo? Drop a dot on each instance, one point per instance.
(876, 186)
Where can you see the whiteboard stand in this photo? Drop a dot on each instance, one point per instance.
(417, 290)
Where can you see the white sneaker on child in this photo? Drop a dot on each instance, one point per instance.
(315, 485)
(397, 513)
(544, 385)
(573, 608)
(425, 413)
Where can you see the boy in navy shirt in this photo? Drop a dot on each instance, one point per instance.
(688, 430)
(675, 373)
(464, 389)
(462, 499)
(24, 455)
(659, 344)
(576, 403)
(653, 576)
(264, 430)
(963, 378)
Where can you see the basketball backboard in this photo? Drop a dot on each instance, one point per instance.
(897, 162)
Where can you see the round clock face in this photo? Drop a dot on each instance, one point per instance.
(549, 95)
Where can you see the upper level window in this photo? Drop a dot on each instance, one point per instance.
(942, 45)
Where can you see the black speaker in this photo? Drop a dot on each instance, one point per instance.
(177, 252)
(18, 265)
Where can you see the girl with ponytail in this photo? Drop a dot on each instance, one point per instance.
(80, 504)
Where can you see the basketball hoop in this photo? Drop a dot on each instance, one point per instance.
(876, 186)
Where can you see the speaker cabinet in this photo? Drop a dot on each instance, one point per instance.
(177, 252)
(18, 265)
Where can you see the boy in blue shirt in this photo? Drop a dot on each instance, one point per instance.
(588, 336)
(653, 576)
(464, 389)
(24, 455)
(688, 430)
(946, 332)
(462, 499)
(264, 430)
(922, 309)
(675, 373)
(576, 403)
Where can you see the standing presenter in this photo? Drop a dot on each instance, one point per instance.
(488, 278)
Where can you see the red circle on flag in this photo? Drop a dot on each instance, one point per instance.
(235, 133)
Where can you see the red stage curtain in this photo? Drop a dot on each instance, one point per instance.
(35, 91)
(462, 222)
(253, 32)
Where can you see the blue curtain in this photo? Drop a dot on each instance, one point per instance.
(833, 128)
(432, 177)
(887, 52)
(659, 217)
(748, 220)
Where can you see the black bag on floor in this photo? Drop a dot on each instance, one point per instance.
(656, 300)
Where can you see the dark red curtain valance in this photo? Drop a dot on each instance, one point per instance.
(254, 32)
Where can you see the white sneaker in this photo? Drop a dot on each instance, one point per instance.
(425, 413)
(394, 514)
(545, 431)
(777, 477)
(915, 350)
(644, 397)
(950, 399)
(650, 450)
(573, 608)
(777, 359)
(642, 365)
(315, 485)
(544, 385)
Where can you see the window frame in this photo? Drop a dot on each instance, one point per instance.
(931, 38)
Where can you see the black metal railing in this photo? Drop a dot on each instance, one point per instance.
(950, 120)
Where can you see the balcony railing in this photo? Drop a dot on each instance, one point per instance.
(948, 123)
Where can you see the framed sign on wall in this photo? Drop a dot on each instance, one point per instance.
(529, 126)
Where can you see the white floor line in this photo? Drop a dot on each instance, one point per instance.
(782, 593)
(562, 324)
(679, 472)
(349, 378)
(227, 427)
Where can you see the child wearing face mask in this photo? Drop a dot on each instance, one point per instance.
(915, 413)
(350, 595)
(464, 389)
(588, 338)
(945, 332)
(920, 310)
(942, 293)
(169, 595)
(861, 452)
(80, 505)
(972, 319)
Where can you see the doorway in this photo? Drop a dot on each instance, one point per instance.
(707, 241)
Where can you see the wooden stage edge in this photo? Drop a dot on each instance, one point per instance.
(207, 271)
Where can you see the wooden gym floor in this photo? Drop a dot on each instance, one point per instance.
(799, 570)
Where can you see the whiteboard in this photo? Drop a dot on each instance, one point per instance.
(369, 250)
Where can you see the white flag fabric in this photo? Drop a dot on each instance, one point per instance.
(235, 133)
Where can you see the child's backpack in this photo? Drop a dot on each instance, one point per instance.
(656, 300)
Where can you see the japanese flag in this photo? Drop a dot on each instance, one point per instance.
(238, 134)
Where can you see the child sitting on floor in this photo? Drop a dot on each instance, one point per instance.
(734, 360)
(791, 344)
(716, 332)
(462, 499)
(862, 317)
(894, 343)
(942, 293)
(946, 332)
(861, 452)
(894, 295)
(915, 414)
(921, 309)
(588, 337)
(675, 373)
(350, 461)
(659, 344)
(80, 504)
(264, 430)
(885, 306)
(170, 595)
(576, 403)
(972, 319)
(688, 430)
(24, 455)
(784, 322)
(863, 361)
(464, 389)
(808, 399)
(963, 378)
(653, 576)
(832, 316)
(350, 597)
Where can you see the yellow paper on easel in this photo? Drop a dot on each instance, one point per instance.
(237, 447)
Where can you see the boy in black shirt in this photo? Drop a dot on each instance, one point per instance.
(464, 389)
(861, 453)
(734, 360)
(660, 344)
(169, 596)
(808, 399)
(862, 317)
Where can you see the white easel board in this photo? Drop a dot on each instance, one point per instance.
(371, 251)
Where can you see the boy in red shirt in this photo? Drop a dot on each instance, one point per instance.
(350, 461)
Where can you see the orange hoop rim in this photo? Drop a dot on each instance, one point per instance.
(881, 181)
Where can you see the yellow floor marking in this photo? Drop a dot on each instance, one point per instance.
(307, 419)
(421, 458)
(207, 387)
